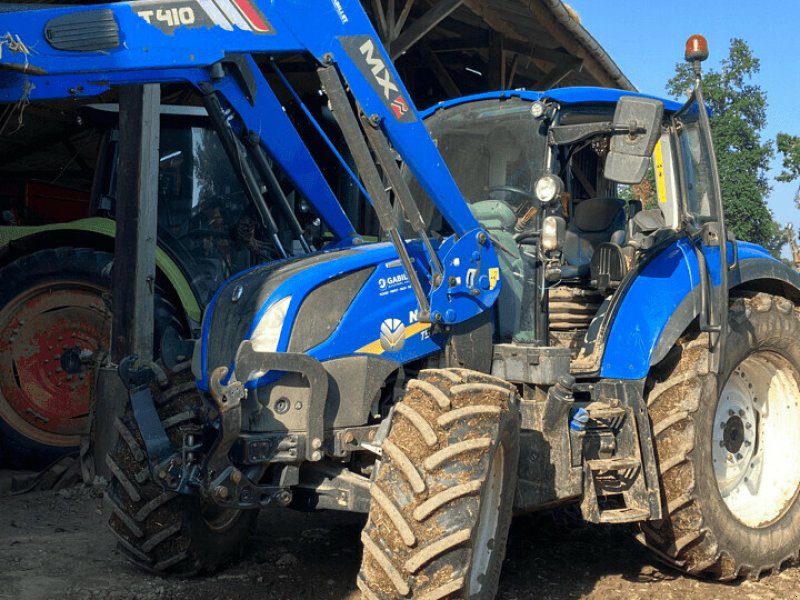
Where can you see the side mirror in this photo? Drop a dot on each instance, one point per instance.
(629, 153)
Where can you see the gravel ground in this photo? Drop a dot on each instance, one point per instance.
(56, 545)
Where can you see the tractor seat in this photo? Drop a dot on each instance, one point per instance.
(594, 221)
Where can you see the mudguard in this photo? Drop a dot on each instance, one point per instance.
(660, 300)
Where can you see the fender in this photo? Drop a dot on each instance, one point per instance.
(662, 298)
(92, 232)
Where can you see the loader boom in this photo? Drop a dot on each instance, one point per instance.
(77, 52)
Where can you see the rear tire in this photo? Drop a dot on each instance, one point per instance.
(161, 531)
(730, 486)
(53, 305)
(443, 495)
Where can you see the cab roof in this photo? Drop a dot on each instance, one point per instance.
(567, 95)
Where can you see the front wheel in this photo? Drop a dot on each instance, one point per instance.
(158, 530)
(443, 495)
(730, 479)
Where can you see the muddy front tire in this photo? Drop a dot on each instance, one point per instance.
(442, 499)
(729, 477)
(161, 531)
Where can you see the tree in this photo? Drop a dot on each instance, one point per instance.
(738, 117)
(789, 146)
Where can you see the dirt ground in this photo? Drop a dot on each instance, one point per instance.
(55, 545)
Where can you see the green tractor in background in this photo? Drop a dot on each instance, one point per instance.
(56, 256)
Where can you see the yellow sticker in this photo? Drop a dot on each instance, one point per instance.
(494, 277)
(661, 185)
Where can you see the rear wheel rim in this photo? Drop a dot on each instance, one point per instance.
(755, 424)
(51, 338)
(485, 540)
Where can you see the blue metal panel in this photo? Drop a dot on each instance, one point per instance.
(652, 298)
(386, 295)
(575, 95)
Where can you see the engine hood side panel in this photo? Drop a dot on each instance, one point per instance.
(380, 320)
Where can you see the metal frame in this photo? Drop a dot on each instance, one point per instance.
(137, 42)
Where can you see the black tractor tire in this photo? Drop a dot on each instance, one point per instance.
(700, 533)
(162, 531)
(443, 494)
(61, 293)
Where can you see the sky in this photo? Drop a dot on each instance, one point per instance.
(647, 38)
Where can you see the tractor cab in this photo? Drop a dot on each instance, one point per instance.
(534, 169)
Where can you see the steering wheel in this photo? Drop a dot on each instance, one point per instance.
(528, 197)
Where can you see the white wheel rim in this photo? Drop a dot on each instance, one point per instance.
(755, 426)
(484, 544)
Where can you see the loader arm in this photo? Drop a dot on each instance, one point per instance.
(83, 51)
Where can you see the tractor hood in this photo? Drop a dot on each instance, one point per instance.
(327, 305)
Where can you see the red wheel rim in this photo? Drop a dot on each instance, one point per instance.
(51, 339)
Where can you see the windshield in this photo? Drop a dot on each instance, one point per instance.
(494, 149)
(695, 166)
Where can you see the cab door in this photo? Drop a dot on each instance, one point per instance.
(702, 217)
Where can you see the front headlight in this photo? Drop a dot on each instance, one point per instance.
(548, 188)
(553, 232)
(268, 331)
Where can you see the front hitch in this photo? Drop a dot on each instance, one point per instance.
(226, 484)
(251, 364)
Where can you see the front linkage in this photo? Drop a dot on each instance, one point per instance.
(206, 470)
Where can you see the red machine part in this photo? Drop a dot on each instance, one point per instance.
(51, 339)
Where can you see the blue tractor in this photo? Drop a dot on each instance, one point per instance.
(523, 338)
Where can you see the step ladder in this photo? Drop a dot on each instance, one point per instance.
(615, 486)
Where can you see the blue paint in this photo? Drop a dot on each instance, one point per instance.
(573, 95)
(335, 34)
(386, 294)
(650, 300)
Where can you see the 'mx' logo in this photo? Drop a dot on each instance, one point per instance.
(382, 75)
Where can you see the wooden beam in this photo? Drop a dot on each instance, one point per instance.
(133, 279)
(460, 43)
(133, 275)
(390, 21)
(509, 84)
(494, 20)
(380, 17)
(563, 37)
(401, 20)
(422, 26)
(584, 181)
(497, 61)
(552, 56)
(556, 75)
(442, 74)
